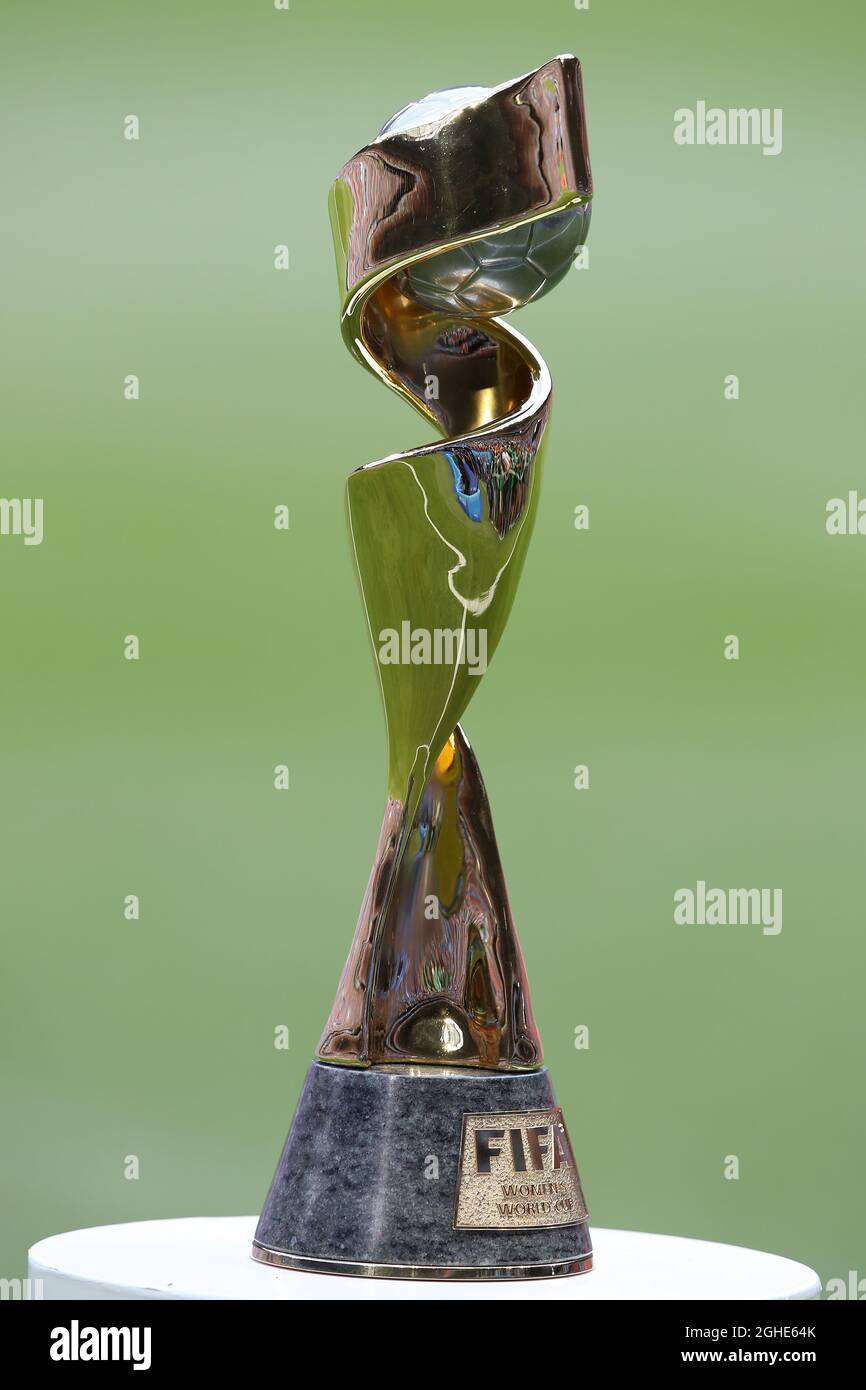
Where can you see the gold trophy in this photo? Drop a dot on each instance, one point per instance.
(427, 1142)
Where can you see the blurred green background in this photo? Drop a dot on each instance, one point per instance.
(156, 1037)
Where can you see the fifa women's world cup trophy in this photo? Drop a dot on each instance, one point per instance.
(427, 1142)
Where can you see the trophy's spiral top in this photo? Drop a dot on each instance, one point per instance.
(468, 204)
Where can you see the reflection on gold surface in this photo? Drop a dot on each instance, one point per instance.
(469, 204)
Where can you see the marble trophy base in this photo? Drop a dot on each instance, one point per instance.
(356, 1189)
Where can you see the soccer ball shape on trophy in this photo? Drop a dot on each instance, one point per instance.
(502, 271)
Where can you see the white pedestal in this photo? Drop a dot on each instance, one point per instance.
(208, 1258)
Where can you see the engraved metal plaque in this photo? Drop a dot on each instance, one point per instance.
(517, 1171)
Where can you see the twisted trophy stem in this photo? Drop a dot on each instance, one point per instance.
(469, 204)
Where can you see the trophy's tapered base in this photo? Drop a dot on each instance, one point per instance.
(411, 1172)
